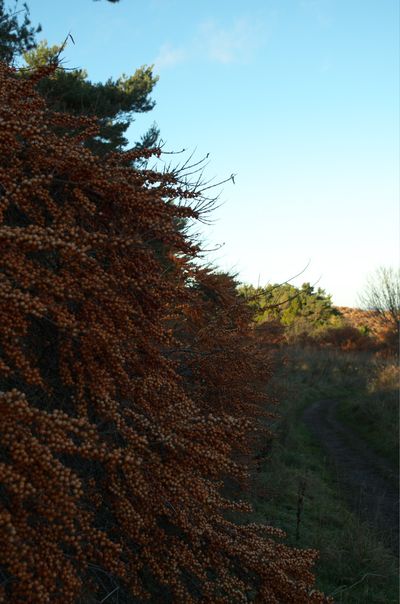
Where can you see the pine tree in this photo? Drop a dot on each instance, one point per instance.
(114, 102)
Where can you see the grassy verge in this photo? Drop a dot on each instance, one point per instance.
(296, 489)
(373, 412)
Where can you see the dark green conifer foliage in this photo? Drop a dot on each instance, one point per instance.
(290, 304)
(114, 102)
(16, 35)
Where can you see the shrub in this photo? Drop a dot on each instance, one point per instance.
(347, 338)
(128, 390)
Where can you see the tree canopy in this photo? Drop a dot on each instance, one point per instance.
(289, 304)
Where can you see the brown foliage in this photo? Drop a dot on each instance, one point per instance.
(347, 338)
(382, 335)
(128, 390)
(358, 317)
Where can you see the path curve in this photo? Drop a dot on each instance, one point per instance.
(370, 484)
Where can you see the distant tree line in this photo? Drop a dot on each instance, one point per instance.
(307, 315)
(291, 306)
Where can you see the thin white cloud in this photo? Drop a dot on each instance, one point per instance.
(235, 43)
(320, 10)
(169, 56)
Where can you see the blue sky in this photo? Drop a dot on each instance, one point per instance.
(299, 98)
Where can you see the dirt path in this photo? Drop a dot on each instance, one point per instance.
(368, 481)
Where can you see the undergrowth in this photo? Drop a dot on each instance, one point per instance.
(373, 411)
(296, 489)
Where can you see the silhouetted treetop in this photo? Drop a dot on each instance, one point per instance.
(16, 36)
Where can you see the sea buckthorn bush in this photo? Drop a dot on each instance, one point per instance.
(130, 383)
